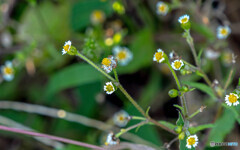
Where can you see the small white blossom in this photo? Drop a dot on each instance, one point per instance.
(123, 55)
(223, 32)
(232, 99)
(109, 63)
(177, 64)
(111, 140)
(121, 118)
(183, 19)
(159, 56)
(162, 8)
(109, 88)
(66, 47)
(192, 141)
(7, 71)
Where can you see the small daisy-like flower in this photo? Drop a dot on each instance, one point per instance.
(111, 140)
(121, 118)
(223, 32)
(109, 63)
(183, 19)
(159, 56)
(7, 71)
(192, 141)
(109, 88)
(177, 64)
(97, 17)
(162, 8)
(66, 47)
(232, 99)
(123, 55)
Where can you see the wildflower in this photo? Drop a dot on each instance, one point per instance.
(162, 8)
(184, 19)
(159, 56)
(66, 47)
(223, 32)
(109, 41)
(97, 17)
(123, 55)
(109, 88)
(7, 71)
(192, 141)
(109, 63)
(232, 99)
(177, 64)
(118, 7)
(121, 118)
(111, 140)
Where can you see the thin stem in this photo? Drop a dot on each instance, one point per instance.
(171, 142)
(196, 112)
(95, 66)
(229, 79)
(191, 44)
(130, 128)
(115, 74)
(64, 140)
(174, 75)
(190, 65)
(184, 104)
(137, 118)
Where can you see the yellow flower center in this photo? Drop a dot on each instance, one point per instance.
(223, 32)
(184, 20)
(177, 64)
(98, 15)
(66, 47)
(232, 98)
(162, 8)
(121, 118)
(8, 70)
(159, 55)
(122, 55)
(106, 62)
(109, 88)
(191, 141)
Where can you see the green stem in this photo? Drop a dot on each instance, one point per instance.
(196, 112)
(137, 118)
(229, 79)
(191, 44)
(130, 128)
(115, 74)
(190, 65)
(96, 67)
(184, 104)
(174, 75)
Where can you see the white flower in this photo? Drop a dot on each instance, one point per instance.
(109, 63)
(7, 71)
(66, 47)
(183, 19)
(162, 8)
(223, 32)
(177, 64)
(159, 56)
(121, 118)
(211, 54)
(97, 17)
(111, 140)
(232, 99)
(192, 141)
(109, 88)
(122, 54)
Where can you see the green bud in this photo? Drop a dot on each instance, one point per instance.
(178, 129)
(184, 88)
(186, 26)
(173, 93)
(183, 72)
(181, 136)
(72, 51)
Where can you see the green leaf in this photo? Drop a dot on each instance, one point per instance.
(199, 55)
(194, 130)
(180, 121)
(222, 126)
(202, 87)
(81, 12)
(183, 143)
(72, 76)
(180, 107)
(143, 49)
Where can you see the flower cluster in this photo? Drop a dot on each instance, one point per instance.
(183, 19)
(177, 64)
(223, 32)
(162, 8)
(109, 88)
(159, 56)
(108, 64)
(192, 141)
(111, 140)
(7, 71)
(121, 118)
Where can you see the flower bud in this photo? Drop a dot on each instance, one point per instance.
(184, 88)
(173, 93)
(178, 129)
(181, 136)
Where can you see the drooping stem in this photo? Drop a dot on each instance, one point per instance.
(64, 140)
